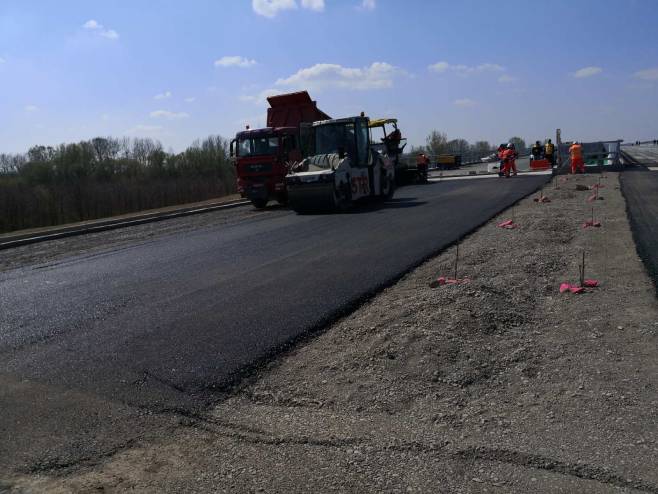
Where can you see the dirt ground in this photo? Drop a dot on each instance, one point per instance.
(501, 384)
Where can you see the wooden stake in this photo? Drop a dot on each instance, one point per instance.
(582, 270)
(605, 257)
(456, 261)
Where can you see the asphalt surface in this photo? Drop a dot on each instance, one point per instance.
(101, 349)
(640, 188)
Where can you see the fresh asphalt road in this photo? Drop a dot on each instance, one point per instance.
(640, 188)
(99, 349)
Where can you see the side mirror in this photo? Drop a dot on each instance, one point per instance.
(341, 152)
(232, 148)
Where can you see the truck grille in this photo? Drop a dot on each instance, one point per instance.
(258, 168)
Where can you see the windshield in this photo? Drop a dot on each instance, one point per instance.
(332, 138)
(258, 146)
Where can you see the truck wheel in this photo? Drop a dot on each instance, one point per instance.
(388, 188)
(259, 203)
(282, 199)
(343, 196)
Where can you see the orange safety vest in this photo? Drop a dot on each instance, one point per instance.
(576, 151)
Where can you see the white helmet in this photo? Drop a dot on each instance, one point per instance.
(510, 145)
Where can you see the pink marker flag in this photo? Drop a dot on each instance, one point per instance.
(442, 280)
(508, 224)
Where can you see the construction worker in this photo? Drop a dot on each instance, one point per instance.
(422, 164)
(549, 152)
(509, 160)
(501, 149)
(392, 141)
(576, 154)
(536, 151)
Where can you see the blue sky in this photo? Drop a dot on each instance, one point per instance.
(177, 71)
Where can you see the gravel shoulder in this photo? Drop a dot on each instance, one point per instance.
(498, 385)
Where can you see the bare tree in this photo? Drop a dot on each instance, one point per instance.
(436, 142)
(518, 143)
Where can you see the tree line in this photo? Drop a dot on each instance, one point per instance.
(438, 143)
(107, 176)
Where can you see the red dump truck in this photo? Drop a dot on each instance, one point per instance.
(264, 156)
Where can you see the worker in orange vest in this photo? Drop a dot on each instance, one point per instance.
(509, 156)
(422, 164)
(576, 154)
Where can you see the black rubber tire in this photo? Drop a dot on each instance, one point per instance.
(259, 203)
(343, 203)
(282, 199)
(388, 189)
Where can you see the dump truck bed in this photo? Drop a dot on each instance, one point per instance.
(289, 110)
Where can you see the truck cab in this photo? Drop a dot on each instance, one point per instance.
(342, 166)
(262, 157)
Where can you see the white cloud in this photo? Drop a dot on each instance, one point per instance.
(92, 24)
(270, 8)
(439, 67)
(647, 74)
(165, 95)
(465, 70)
(378, 75)
(31, 108)
(2, 60)
(235, 61)
(317, 5)
(587, 72)
(506, 78)
(191, 99)
(142, 129)
(98, 28)
(465, 103)
(368, 5)
(109, 34)
(169, 115)
(260, 98)
(105, 117)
